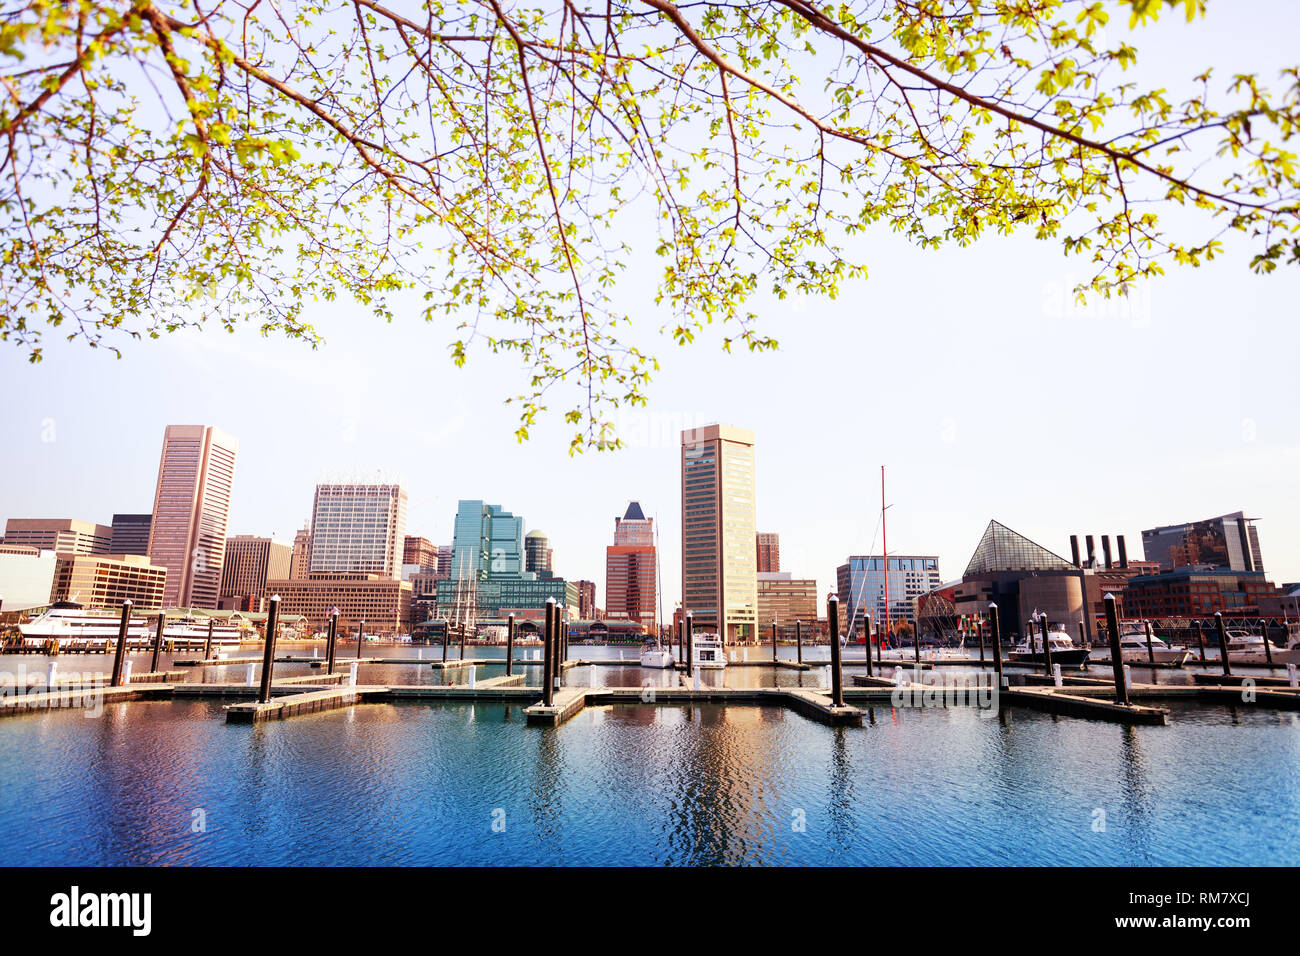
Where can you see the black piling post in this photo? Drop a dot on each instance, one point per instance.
(268, 654)
(157, 642)
(1047, 645)
(837, 679)
(1116, 655)
(774, 642)
(361, 637)
(995, 632)
(548, 689)
(207, 645)
(866, 623)
(120, 651)
(1200, 638)
(916, 647)
(510, 645)
(798, 641)
(979, 632)
(690, 651)
(330, 644)
(1223, 643)
(1268, 648)
(446, 639)
(1151, 651)
(1083, 635)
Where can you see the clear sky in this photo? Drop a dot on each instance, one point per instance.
(966, 372)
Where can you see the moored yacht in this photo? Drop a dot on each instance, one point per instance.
(707, 651)
(1133, 649)
(193, 632)
(70, 621)
(657, 656)
(1064, 651)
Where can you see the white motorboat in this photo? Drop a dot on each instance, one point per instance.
(657, 656)
(1064, 650)
(707, 652)
(1247, 647)
(1133, 649)
(193, 632)
(69, 621)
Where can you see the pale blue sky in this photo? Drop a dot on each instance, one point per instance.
(959, 371)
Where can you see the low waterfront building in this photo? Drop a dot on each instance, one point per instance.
(784, 599)
(384, 603)
(106, 580)
(1197, 593)
(61, 535)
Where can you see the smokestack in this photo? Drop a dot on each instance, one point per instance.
(1105, 549)
(1123, 552)
(1092, 550)
(1074, 549)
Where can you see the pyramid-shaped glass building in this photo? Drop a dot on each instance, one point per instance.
(1001, 549)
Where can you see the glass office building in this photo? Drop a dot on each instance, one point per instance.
(861, 586)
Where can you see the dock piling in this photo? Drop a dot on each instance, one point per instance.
(774, 642)
(1223, 643)
(1200, 638)
(995, 633)
(690, 636)
(866, 640)
(119, 653)
(1047, 645)
(837, 676)
(1116, 655)
(510, 645)
(268, 655)
(979, 633)
(361, 637)
(157, 642)
(330, 645)
(548, 689)
(1268, 647)
(207, 645)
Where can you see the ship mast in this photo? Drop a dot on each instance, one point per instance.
(884, 548)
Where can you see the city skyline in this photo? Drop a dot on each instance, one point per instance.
(826, 577)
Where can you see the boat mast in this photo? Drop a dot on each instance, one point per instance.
(884, 548)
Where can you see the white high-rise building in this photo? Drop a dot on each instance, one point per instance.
(358, 528)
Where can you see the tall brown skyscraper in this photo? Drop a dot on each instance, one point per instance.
(631, 591)
(769, 552)
(191, 511)
(719, 575)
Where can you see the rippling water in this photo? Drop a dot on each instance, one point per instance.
(424, 784)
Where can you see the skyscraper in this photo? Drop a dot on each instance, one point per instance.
(719, 563)
(358, 528)
(537, 553)
(769, 552)
(630, 570)
(420, 552)
(250, 562)
(191, 511)
(130, 534)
